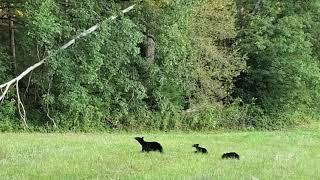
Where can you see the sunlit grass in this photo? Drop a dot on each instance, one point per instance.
(263, 155)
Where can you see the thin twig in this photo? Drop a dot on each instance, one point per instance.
(48, 115)
(48, 110)
(26, 91)
(1, 93)
(20, 106)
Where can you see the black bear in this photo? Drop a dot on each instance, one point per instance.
(149, 146)
(199, 149)
(230, 155)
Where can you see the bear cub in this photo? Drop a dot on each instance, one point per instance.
(199, 149)
(149, 146)
(230, 155)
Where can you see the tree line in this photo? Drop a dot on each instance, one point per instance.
(165, 64)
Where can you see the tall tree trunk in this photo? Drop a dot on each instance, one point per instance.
(13, 45)
(14, 60)
(150, 47)
(147, 47)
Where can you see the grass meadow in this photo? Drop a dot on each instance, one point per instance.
(292, 154)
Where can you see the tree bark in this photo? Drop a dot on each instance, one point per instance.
(19, 104)
(13, 45)
(150, 47)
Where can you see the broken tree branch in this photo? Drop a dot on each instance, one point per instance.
(8, 84)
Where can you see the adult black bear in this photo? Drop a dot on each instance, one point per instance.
(199, 149)
(230, 155)
(149, 146)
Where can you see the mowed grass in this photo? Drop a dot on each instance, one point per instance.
(293, 154)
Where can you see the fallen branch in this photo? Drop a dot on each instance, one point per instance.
(10, 83)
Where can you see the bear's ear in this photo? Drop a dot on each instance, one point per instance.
(141, 137)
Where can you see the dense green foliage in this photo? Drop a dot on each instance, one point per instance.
(218, 63)
(283, 78)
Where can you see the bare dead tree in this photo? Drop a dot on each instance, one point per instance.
(6, 86)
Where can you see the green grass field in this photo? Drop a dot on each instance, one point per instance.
(293, 154)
